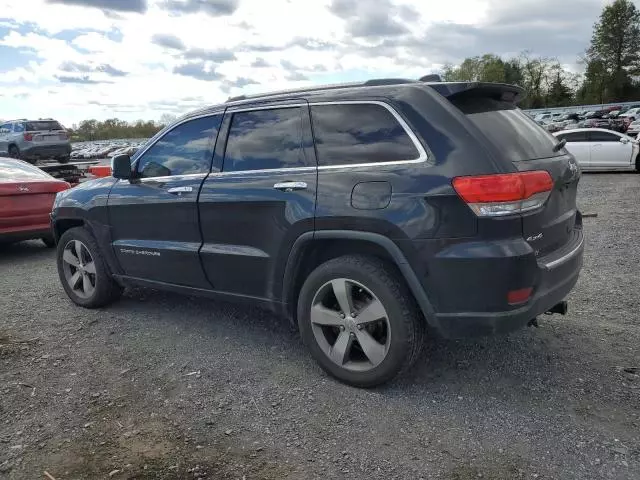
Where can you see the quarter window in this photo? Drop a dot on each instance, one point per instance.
(184, 150)
(348, 134)
(264, 140)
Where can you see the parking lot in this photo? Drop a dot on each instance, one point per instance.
(162, 386)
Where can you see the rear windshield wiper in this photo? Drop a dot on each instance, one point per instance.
(560, 145)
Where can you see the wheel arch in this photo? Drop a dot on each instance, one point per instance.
(313, 248)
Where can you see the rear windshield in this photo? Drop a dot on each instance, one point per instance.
(508, 129)
(43, 125)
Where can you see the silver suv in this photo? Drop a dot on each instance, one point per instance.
(32, 140)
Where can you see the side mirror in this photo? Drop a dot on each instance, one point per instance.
(624, 140)
(121, 167)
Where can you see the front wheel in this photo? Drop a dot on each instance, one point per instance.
(83, 272)
(359, 321)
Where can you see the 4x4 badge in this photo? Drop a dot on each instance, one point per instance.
(23, 188)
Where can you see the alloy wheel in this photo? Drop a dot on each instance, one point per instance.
(79, 268)
(350, 325)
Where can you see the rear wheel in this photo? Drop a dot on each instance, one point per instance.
(14, 152)
(359, 321)
(83, 272)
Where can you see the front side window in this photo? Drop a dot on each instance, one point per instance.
(349, 134)
(265, 140)
(5, 128)
(597, 136)
(184, 150)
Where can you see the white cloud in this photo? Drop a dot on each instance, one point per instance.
(296, 38)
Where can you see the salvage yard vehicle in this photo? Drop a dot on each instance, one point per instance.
(368, 213)
(601, 149)
(26, 199)
(32, 140)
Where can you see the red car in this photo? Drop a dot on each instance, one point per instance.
(26, 198)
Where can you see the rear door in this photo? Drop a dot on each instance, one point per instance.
(517, 140)
(4, 141)
(608, 150)
(154, 218)
(578, 145)
(261, 200)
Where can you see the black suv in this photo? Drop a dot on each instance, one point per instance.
(369, 214)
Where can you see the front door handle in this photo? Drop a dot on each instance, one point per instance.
(290, 186)
(180, 190)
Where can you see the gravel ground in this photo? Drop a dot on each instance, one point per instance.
(162, 386)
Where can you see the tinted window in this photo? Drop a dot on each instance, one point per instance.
(18, 127)
(184, 150)
(5, 127)
(43, 125)
(359, 133)
(265, 139)
(508, 129)
(574, 137)
(603, 137)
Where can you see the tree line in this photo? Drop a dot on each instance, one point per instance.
(114, 128)
(612, 66)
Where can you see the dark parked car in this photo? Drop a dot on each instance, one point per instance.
(369, 214)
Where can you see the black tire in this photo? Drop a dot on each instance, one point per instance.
(406, 323)
(49, 242)
(14, 152)
(64, 159)
(106, 290)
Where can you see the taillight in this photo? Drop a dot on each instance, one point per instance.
(504, 194)
(28, 136)
(61, 186)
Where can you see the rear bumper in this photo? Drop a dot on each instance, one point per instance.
(552, 277)
(46, 151)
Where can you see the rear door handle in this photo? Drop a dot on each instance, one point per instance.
(290, 186)
(180, 190)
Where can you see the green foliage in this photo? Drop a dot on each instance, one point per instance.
(612, 66)
(114, 128)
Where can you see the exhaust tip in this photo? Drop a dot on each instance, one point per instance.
(561, 308)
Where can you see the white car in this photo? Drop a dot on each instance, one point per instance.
(600, 149)
(634, 129)
(633, 114)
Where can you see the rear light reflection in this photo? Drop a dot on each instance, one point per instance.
(28, 137)
(504, 194)
(515, 297)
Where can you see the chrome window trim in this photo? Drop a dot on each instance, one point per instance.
(186, 176)
(152, 142)
(423, 156)
(265, 107)
(265, 171)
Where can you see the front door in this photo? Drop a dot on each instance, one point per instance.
(154, 218)
(608, 151)
(254, 209)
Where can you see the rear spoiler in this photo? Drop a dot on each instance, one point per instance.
(497, 91)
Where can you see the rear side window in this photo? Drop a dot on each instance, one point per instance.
(183, 150)
(265, 140)
(18, 127)
(349, 134)
(511, 132)
(43, 125)
(574, 137)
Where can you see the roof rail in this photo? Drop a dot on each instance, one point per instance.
(335, 86)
